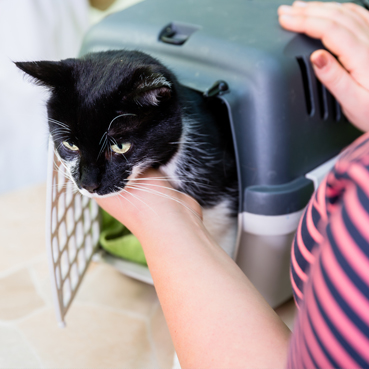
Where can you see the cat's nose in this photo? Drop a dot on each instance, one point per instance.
(90, 187)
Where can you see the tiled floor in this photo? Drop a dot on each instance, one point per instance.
(115, 321)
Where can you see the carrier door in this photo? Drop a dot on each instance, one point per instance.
(72, 234)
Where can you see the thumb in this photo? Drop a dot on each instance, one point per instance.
(341, 85)
(331, 73)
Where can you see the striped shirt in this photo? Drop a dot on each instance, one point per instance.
(330, 269)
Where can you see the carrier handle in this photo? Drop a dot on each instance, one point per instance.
(177, 33)
(169, 36)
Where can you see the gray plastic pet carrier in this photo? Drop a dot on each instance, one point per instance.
(287, 128)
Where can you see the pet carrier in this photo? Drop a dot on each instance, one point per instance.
(287, 128)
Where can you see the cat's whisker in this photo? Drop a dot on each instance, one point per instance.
(59, 186)
(155, 185)
(118, 116)
(63, 186)
(165, 187)
(102, 137)
(57, 136)
(188, 143)
(67, 178)
(65, 126)
(158, 178)
(109, 148)
(103, 146)
(158, 193)
(55, 120)
(59, 130)
(152, 178)
(137, 198)
(60, 137)
(58, 147)
(65, 172)
(172, 179)
(115, 143)
(123, 197)
(125, 191)
(60, 126)
(120, 195)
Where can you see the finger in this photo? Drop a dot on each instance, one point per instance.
(338, 81)
(339, 40)
(342, 15)
(305, 4)
(359, 10)
(300, 6)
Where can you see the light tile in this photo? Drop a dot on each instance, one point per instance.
(18, 296)
(94, 338)
(22, 226)
(41, 278)
(162, 340)
(15, 352)
(106, 286)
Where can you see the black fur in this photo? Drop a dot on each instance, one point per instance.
(88, 93)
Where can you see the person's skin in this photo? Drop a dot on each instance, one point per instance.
(344, 30)
(216, 317)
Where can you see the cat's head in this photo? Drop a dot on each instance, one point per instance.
(111, 115)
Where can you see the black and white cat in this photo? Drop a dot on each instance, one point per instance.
(113, 114)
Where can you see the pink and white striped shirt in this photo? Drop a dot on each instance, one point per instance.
(330, 269)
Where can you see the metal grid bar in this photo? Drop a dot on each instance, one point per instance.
(72, 234)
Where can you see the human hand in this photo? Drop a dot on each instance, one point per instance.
(344, 31)
(149, 201)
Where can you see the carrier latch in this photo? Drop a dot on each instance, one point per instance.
(218, 88)
(177, 33)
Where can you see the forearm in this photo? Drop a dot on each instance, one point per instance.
(216, 317)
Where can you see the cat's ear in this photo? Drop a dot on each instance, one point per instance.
(152, 89)
(45, 73)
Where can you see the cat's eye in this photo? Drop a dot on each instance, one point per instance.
(70, 146)
(121, 148)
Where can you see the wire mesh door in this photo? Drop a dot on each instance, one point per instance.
(72, 234)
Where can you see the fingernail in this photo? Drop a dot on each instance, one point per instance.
(286, 9)
(320, 61)
(300, 3)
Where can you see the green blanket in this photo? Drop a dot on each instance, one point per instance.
(117, 240)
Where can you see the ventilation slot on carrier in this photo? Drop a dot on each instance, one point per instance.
(306, 80)
(328, 106)
(322, 99)
(336, 109)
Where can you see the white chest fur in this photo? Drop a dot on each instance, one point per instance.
(217, 220)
